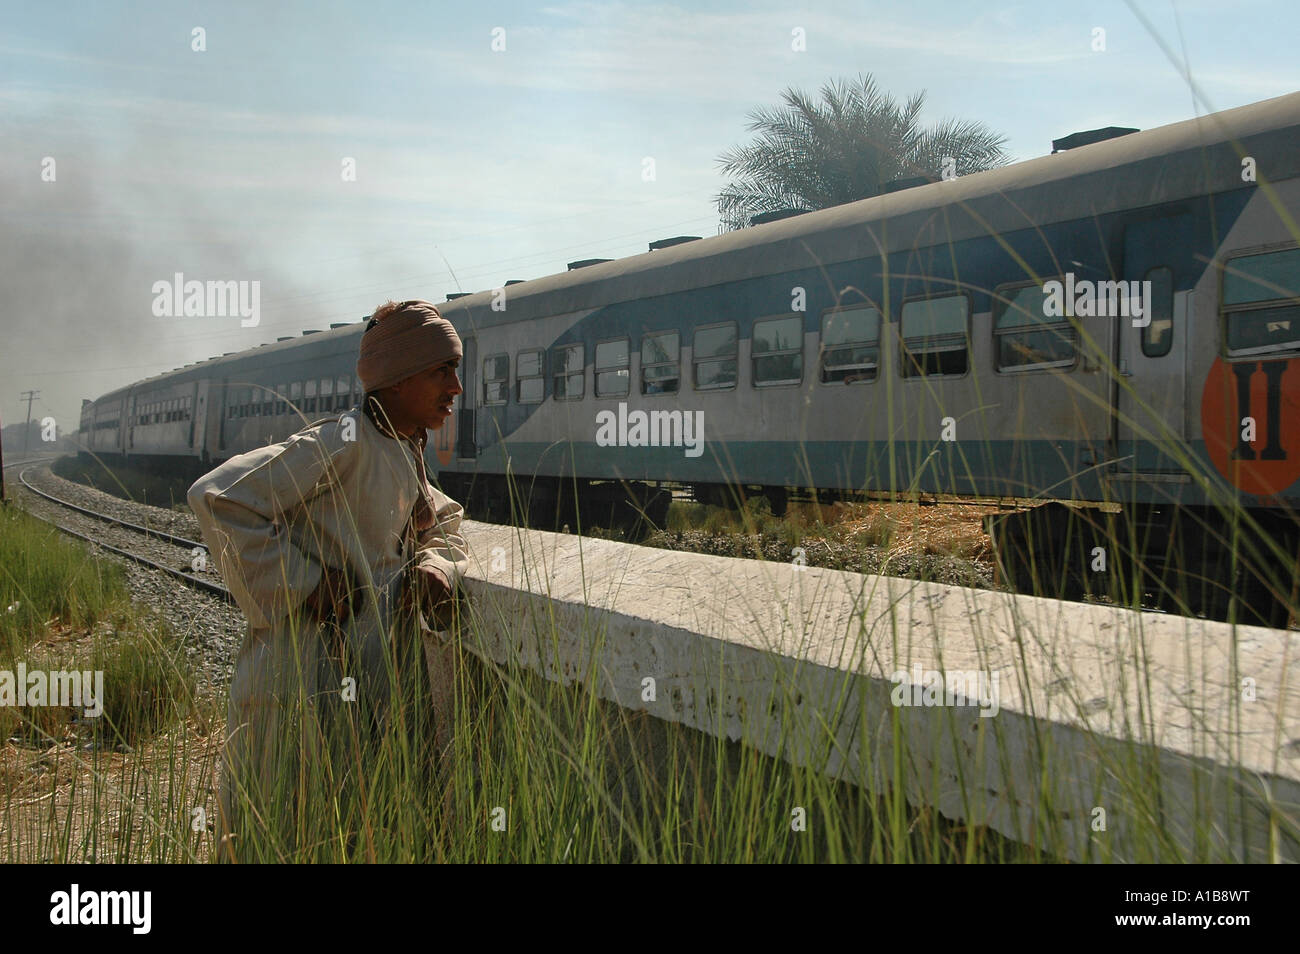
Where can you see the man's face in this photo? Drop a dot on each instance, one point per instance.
(426, 397)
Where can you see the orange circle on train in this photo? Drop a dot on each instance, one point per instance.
(1263, 459)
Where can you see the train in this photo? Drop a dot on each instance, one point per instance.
(1104, 338)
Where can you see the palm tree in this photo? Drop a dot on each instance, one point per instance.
(813, 155)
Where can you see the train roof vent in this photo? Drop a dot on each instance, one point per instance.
(907, 182)
(675, 240)
(775, 216)
(452, 296)
(339, 324)
(1089, 136)
(514, 281)
(585, 262)
(311, 331)
(226, 354)
(285, 338)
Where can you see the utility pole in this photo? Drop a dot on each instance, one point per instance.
(27, 431)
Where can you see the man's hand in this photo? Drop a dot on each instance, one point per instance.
(332, 599)
(430, 589)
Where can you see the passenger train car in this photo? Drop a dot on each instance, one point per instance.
(1117, 323)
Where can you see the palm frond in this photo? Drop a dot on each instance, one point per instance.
(813, 153)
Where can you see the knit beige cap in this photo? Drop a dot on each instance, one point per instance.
(404, 343)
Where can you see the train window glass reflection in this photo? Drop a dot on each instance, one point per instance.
(612, 371)
(295, 397)
(935, 334)
(660, 363)
(309, 398)
(343, 393)
(1261, 302)
(714, 357)
(496, 378)
(530, 386)
(567, 365)
(326, 395)
(776, 351)
(1158, 336)
(850, 348)
(1025, 338)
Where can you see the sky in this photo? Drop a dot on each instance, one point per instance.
(223, 154)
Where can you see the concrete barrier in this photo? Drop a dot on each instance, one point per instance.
(1097, 733)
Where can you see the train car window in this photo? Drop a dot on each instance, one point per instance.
(496, 378)
(850, 347)
(326, 395)
(1158, 336)
(613, 370)
(1261, 302)
(568, 380)
(714, 357)
(309, 397)
(295, 397)
(530, 383)
(776, 351)
(660, 363)
(1026, 338)
(343, 392)
(936, 336)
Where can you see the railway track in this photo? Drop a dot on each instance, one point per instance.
(193, 548)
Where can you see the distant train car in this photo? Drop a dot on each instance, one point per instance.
(1117, 323)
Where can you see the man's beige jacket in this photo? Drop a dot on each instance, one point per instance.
(339, 493)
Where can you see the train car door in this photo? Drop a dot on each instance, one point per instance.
(1150, 395)
(129, 423)
(199, 422)
(466, 445)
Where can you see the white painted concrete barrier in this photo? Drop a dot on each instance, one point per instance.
(1145, 722)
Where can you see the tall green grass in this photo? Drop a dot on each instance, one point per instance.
(82, 788)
